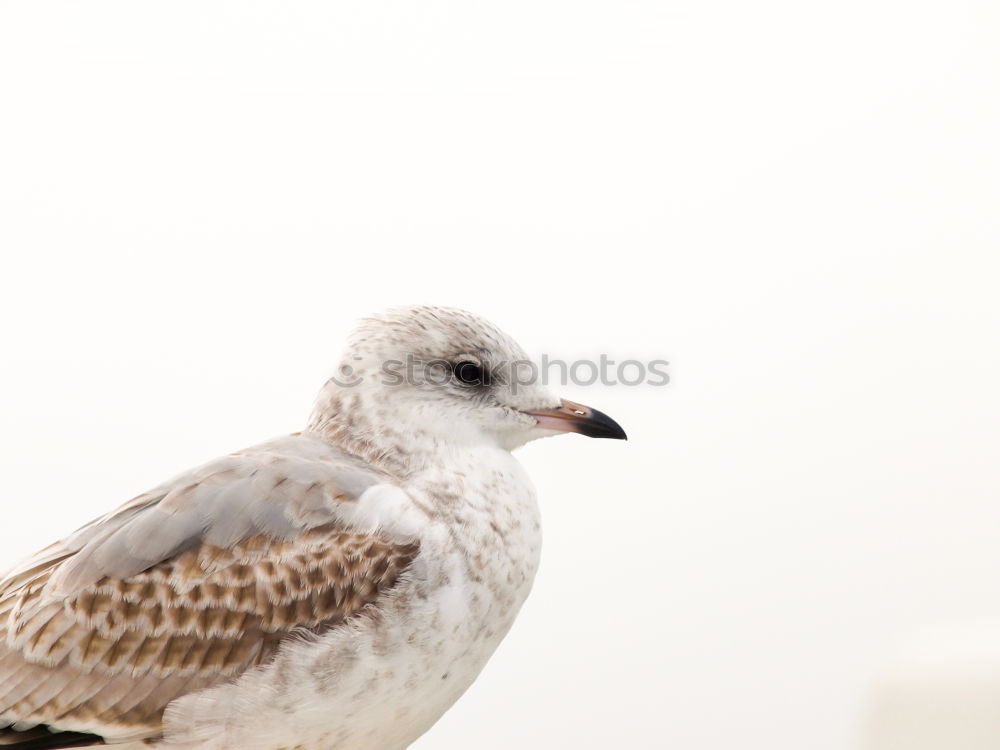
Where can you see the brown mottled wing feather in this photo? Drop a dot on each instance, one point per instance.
(99, 642)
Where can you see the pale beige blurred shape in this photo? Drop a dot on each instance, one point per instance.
(940, 692)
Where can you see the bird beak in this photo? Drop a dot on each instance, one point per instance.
(573, 417)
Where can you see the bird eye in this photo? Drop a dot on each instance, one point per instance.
(469, 373)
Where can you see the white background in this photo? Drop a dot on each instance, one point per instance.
(795, 203)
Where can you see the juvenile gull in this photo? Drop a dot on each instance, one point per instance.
(338, 588)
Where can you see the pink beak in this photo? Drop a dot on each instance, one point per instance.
(573, 417)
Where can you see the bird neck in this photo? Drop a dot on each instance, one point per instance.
(354, 421)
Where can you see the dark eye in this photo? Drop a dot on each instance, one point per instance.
(469, 373)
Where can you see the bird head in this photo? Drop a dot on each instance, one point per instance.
(451, 376)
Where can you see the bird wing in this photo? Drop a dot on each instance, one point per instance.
(187, 586)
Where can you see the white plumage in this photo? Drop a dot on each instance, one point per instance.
(336, 588)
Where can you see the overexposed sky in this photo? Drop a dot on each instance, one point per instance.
(794, 203)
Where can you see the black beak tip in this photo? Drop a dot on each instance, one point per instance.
(600, 425)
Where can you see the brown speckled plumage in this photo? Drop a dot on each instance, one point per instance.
(196, 619)
(335, 589)
(97, 640)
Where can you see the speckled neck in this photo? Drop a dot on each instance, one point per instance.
(361, 425)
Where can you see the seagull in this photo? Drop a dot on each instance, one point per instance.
(338, 588)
